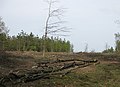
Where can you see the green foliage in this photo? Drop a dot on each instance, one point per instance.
(117, 38)
(3, 35)
(104, 75)
(30, 42)
(109, 50)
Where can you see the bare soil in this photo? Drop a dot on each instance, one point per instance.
(25, 61)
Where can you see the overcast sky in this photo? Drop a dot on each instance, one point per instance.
(92, 21)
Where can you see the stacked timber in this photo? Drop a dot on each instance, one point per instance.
(42, 70)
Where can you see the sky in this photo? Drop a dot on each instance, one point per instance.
(92, 21)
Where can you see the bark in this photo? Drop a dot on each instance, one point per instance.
(44, 70)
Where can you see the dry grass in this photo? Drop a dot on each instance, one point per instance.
(103, 75)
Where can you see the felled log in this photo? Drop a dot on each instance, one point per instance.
(33, 77)
(1, 85)
(49, 69)
(90, 61)
(68, 65)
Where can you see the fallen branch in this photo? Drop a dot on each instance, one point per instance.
(47, 71)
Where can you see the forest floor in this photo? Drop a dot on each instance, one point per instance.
(30, 69)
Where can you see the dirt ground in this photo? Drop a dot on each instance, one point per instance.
(14, 61)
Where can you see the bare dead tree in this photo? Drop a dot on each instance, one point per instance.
(86, 47)
(53, 22)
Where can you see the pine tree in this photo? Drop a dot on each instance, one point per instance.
(3, 34)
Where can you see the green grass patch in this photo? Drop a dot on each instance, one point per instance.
(106, 75)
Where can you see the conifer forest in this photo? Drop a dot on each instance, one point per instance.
(42, 47)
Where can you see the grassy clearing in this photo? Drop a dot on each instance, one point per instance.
(105, 75)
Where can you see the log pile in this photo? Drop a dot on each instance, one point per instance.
(42, 70)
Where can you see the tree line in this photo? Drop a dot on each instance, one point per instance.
(115, 49)
(30, 42)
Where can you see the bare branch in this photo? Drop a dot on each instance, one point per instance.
(117, 21)
(57, 23)
(54, 28)
(60, 35)
(51, 1)
(62, 29)
(51, 27)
